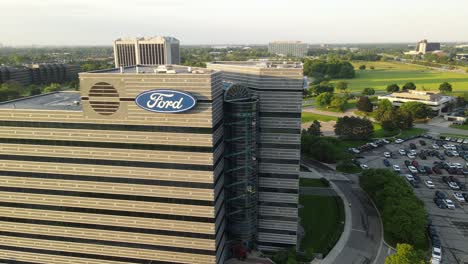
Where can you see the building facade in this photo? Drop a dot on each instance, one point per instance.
(288, 48)
(109, 181)
(45, 73)
(423, 46)
(146, 51)
(276, 98)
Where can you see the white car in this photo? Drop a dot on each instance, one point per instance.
(460, 140)
(399, 141)
(448, 138)
(387, 154)
(457, 165)
(455, 153)
(373, 144)
(435, 146)
(430, 184)
(412, 169)
(409, 177)
(465, 141)
(396, 168)
(386, 141)
(447, 146)
(453, 186)
(449, 203)
(355, 150)
(411, 156)
(364, 166)
(402, 152)
(434, 261)
(436, 253)
(458, 196)
(413, 152)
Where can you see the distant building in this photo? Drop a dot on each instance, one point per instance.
(288, 48)
(39, 73)
(146, 51)
(436, 101)
(424, 47)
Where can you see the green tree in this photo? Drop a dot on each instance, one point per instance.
(384, 106)
(362, 67)
(10, 90)
(405, 254)
(368, 91)
(324, 99)
(53, 87)
(342, 85)
(409, 86)
(372, 67)
(364, 104)
(338, 102)
(323, 87)
(354, 128)
(314, 129)
(417, 109)
(392, 88)
(403, 119)
(285, 256)
(445, 87)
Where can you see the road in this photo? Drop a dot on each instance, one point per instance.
(364, 242)
(442, 130)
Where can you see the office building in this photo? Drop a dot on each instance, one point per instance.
(269, 95)
(146, 51)
(153, 164)
(106, 181)
(45, 73)
(288, 48)
(436, 101)
(423, 47)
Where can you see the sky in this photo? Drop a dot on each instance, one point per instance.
(99, 22)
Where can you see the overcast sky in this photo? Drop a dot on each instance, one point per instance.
(99, 22)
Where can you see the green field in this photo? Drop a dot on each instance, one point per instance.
(386, 73)
(309, 117)
(323, 220)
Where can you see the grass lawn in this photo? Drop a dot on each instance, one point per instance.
(314, 182)
(379, 132)
(464, 127)
(412, 132)
(323, 220)
(309, 117)
(386, 73)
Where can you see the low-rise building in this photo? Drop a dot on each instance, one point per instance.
(435, 100)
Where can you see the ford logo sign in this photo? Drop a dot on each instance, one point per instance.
(165, 101)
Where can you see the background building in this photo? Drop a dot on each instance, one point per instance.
(435, 100)
(288, 48)
(424, 47)
(270, 105)
(40, 73)
(146, 51)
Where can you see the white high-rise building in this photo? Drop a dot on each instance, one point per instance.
(146, 51)
(288, 48)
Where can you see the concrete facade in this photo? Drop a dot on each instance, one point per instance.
(146, 51)
(279, 90)
(288, 48)
(114, 185)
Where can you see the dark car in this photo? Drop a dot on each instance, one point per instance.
(448, 153)
(414, 184)
(436, 170)
(445, 179)
(407, 163)
(422, 156)
(441, 157)
(428, 169)
(416, 177)
(465, 195)
(440, 203)
(412, 146)
(415, 163)
(386, 162)
(440, 195)
(452, 171)
(422, 142)
(421, 169)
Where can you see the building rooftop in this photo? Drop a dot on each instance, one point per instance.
(262, 64)
(156, 69)
(51, 101)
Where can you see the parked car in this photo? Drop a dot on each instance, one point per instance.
(437, 253)
(402, 152)
(386, 162)
(414, 184)
(422, 142)
(399, 141)
(407, 163)
(386, 141)
(453, 185)
(412, 169)
(428, 169)
(458, 196)
(373, 144)
(411, 156)
(421, 169)
(412, 146)
(429, 184)
(460, 140)
(354, 150)
(387, 154)
(440, 195)
(440, 203)
(435, 146)
(436, 170)
(409, 177)
(364, 166)
(449, 203)
(415, 163)
(396, 168)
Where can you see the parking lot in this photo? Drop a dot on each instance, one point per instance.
(451, 224)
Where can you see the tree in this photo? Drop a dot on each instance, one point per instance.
(445, 87)
(324, 99)
(53, 87)
(342, 85)
(406, 254)
(409, 86)
(372, 67)
(314, 129)
(10, 90)
(364, 104)
(285, 256)
(338, 102)
(354, 128)
(383, 107)
(362, 67)
(417, 109)
(392, 88)
(368, 91)
(331, 68)
(403, 119)
(323, 87)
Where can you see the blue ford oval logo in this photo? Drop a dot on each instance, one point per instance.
(165, 101)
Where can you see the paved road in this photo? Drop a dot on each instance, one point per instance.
(364, 242)
(442, 130)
